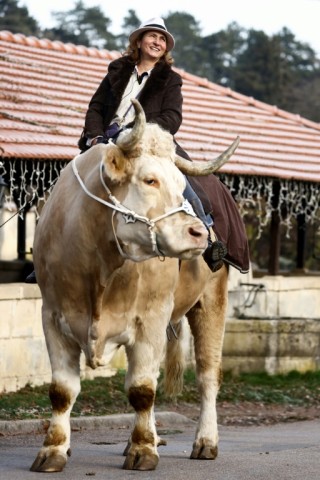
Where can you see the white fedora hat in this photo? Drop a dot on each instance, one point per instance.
(153, 24)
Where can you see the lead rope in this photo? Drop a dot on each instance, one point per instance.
(134, 258)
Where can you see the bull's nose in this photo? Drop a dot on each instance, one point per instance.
(199, 234)
(198, 231)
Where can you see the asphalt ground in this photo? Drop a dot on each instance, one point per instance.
(285, 451)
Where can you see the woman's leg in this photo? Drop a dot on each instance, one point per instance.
(216, 250)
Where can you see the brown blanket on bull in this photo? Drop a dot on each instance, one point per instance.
(228, 224)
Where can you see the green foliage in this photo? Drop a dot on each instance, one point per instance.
(16, 19)
(271, 68)
(254, 75)
(130, 23)
(294, 388)
(84, 26)
(188, 52)
(104, 396)
(222, 49)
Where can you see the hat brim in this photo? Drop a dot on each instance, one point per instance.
(170, 40)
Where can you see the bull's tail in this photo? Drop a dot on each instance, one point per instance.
(175, 359)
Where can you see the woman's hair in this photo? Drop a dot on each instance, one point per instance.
(133, 51)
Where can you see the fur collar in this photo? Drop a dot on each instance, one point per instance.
(119, 72)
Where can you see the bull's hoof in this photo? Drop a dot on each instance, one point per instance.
(52, 462)
(204, 449)
(138, 461)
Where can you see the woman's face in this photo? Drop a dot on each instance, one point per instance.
(153, 45)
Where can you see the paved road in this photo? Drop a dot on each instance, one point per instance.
(287, 451)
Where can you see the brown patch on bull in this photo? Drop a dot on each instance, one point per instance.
(141, 397)
(139, 327)
(141, 437)
(60, 398)
(138, 321)
(55, 437)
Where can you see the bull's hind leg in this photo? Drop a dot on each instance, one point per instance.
(207, 322)
(65, 386)
(141, 381)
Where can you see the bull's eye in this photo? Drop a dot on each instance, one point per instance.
(152, 182)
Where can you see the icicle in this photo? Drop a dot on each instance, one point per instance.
(295, 198)
(30, 181)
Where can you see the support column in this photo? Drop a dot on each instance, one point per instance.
(274, 247)
(21, 237)
(301, 241)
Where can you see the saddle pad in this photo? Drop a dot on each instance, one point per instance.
(228, 224)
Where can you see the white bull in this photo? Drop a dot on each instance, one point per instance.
(113, 212)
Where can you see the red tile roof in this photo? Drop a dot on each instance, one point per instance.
(45, 87)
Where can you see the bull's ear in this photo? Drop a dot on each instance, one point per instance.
(115, 164)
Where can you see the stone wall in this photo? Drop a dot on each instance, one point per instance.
(23, 353)
(273, 325)
(272, 346)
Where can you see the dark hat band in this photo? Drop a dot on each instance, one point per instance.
(154, 25)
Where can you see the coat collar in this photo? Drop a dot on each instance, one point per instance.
(120, 70)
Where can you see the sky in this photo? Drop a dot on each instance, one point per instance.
(302, 17)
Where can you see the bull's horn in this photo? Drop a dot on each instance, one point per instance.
(128, 141)
(205, 168)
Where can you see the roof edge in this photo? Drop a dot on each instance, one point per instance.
(47, 44)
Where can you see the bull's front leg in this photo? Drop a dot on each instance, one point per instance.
(207, 322)
(141, 382)
(63, 391)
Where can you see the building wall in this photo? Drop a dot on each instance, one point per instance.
(23, 353)
(274, 328)
(8, 233)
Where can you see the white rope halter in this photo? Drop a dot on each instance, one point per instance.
(129, 215)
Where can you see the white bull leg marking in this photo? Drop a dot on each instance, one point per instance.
(205, 445)
(207, 321)
(63, 391)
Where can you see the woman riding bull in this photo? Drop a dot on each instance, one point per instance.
(145, 72)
